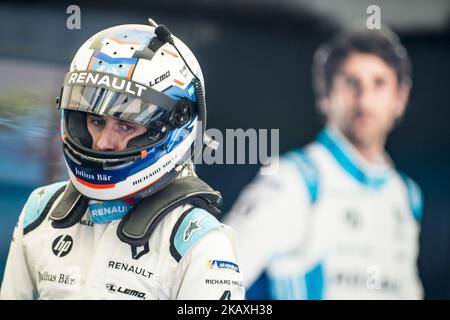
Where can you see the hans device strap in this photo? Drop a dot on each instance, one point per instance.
(70, 208)
(138, 225)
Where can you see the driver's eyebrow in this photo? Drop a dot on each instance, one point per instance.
(348, 77)
(345, 74)
(127, 122)
(90, 115)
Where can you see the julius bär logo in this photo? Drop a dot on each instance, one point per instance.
(62, 245)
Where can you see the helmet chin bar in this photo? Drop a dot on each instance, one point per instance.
(95, 163)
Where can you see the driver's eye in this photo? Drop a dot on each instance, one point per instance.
(99, 122)
(352, 83)
(379, 82)
(127, 127)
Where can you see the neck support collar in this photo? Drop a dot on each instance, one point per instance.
(140, 222)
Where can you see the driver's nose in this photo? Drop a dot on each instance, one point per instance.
(106, 140)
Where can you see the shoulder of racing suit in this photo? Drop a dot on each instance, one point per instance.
(190, 226)
(415, 196)
(307, 169)
(138, 225)
(309, 172)
(39, 203)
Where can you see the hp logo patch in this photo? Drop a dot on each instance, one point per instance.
(62, 245)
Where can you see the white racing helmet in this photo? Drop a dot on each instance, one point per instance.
(141, 74)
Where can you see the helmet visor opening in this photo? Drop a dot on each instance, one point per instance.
(111, 103)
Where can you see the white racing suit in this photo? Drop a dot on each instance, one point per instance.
(329, 225)
(190, 255)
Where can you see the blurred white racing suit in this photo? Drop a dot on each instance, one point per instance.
(190, 255)
(329, 225)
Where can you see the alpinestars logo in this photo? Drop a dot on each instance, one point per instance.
(112, 288)
(62, 245)
(194, 225)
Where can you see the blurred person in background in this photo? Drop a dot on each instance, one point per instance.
(338, 220)
(134, 221)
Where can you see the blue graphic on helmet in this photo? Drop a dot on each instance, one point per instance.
(178, 93)
(119, 66)
(131, 40)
